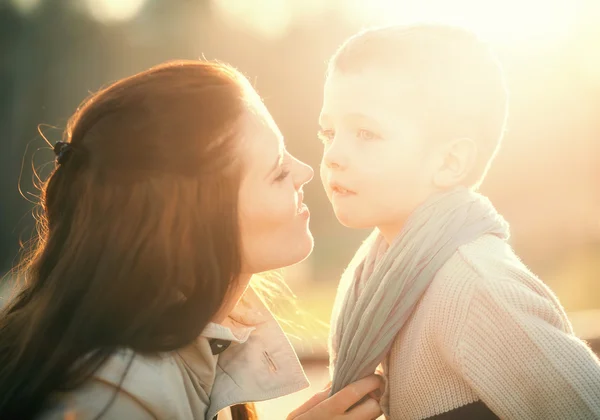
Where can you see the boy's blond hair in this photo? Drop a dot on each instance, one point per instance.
(452, 81)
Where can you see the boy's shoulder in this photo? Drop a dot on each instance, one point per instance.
(487, 262)
(488, 269)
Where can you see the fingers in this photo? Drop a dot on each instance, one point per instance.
(376, 395)
(354, 392)
(310, 403)
(368, 410)
(319, 407)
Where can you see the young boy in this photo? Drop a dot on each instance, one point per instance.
(411, 119)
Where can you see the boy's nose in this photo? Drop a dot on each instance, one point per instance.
(333, 157)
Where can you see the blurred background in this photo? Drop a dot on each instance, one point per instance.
(545, 180)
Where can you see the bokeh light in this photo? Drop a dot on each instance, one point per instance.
(268, 17)
(108, 11)
(25, 6)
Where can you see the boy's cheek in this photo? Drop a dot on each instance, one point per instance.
(324, 173)
(329, 194)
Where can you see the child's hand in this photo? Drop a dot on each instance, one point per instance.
(319, 407)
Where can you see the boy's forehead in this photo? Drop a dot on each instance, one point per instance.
(369, 92)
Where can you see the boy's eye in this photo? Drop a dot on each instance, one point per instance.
(366, 135)
(326, 136)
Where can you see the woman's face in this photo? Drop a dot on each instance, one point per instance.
(273, 218)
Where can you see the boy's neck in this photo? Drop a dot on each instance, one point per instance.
(390, 232)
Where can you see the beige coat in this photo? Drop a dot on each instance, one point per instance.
(192, 383)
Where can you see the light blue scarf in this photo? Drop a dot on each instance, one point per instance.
(382, 285)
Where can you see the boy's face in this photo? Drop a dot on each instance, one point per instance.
(375, 169)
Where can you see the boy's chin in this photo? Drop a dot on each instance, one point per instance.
(347, 220)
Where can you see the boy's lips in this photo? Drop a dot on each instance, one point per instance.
(340, 190)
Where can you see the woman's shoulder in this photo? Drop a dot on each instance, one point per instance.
(133, 386)
(97, 399)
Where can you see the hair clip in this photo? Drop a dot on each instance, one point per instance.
(62, 150)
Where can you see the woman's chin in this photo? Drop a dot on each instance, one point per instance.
(294, 251)
(302, 249)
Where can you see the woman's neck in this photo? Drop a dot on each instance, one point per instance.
(232, 298)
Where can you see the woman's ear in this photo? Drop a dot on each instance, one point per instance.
(457, 159)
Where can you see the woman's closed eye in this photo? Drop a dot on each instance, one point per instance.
(282, 175)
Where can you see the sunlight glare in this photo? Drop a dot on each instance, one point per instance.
(497, 21)
(587, 51)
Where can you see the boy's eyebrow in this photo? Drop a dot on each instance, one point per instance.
(357, 116)
(352, 117)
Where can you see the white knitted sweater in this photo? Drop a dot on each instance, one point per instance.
(489, 339)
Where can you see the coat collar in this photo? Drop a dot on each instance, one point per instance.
(259, 364)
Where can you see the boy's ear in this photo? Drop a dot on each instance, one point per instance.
(457, 159)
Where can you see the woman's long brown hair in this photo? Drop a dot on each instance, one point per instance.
(138, 242)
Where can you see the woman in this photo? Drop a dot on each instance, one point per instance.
(172, 188)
